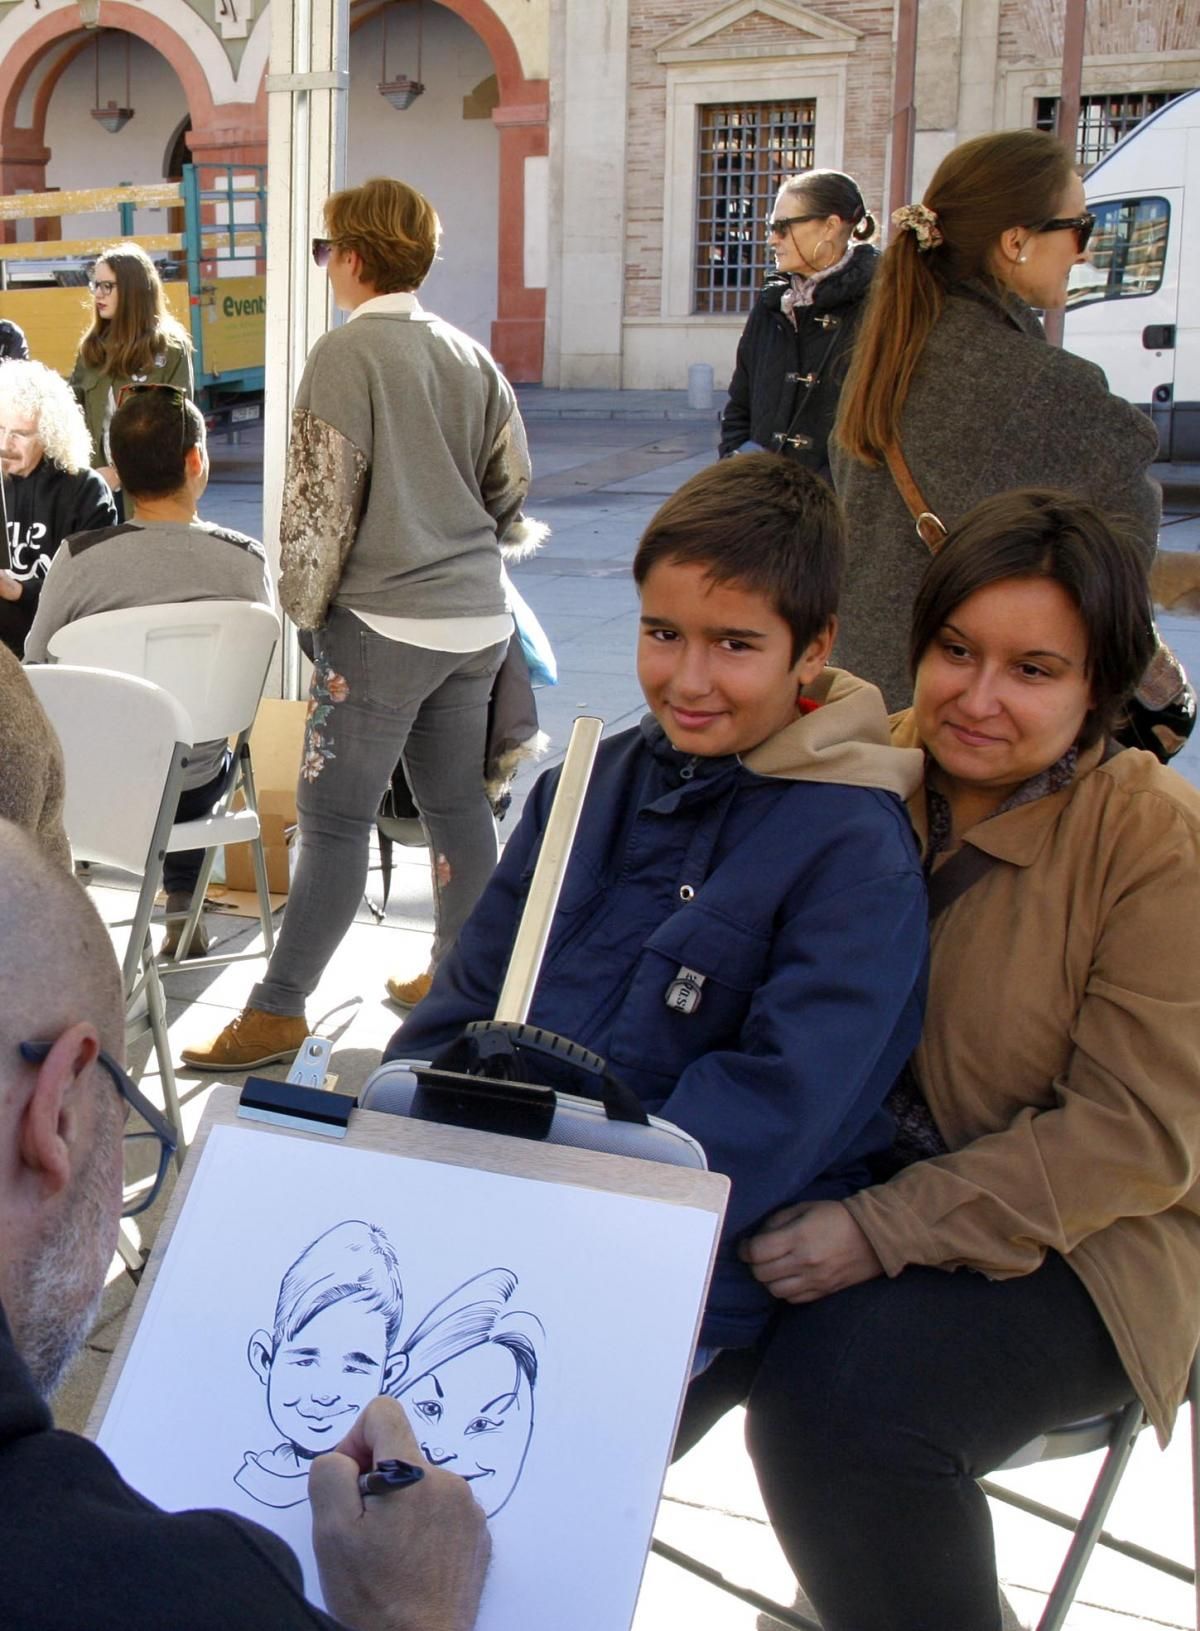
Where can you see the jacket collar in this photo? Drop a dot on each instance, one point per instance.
(1017, 836)
(843, 288)
(401, 304)
(23, 1411)
(1003, 304)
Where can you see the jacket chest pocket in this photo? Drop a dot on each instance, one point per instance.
(691, 993)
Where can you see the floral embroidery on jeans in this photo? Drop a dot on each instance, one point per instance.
(327, 688)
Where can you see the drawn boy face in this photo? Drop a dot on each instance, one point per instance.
(319, 1380)
(474, 1415)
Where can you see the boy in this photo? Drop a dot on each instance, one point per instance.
(742, 926)
(337, 1320)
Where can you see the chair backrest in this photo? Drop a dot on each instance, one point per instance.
(211, 654)
(121, 739)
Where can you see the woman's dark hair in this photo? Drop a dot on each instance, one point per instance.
(1032, 533)
(763, 523)
(831, 192)
(129, 343)
(1013, 178)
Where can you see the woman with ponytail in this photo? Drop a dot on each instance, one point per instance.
(793, 354)
(952, 371)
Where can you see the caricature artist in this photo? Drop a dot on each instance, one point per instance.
(81, 1547)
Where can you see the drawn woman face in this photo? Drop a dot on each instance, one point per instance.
(474, 1415)
(330, 1370)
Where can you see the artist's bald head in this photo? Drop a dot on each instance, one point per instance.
(61, 1121)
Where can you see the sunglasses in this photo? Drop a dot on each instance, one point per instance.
(1081, 225)
(778, 227)
(322, 248)
(160, 1128)
(178, 394)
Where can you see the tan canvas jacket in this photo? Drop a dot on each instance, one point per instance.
(1061, 1062)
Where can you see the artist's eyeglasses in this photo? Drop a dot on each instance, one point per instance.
(780, 225)
(34, 1053)
(104, 287)
(322, 248)
(1081, 225)
(175, 392)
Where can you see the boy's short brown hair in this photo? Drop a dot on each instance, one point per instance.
(764, 523)
(394, 229)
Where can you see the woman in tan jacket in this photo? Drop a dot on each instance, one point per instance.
(1035, 1257)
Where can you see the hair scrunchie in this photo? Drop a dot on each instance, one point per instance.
(922, 222)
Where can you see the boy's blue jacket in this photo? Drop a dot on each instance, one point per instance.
(790, 880)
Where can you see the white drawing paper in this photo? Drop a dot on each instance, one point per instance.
(538, 1336)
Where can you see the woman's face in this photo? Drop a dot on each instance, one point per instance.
(1041, 277)
(1002, 690)
(105, 292)
(815, 245)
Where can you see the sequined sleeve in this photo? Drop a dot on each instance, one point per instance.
(322, 497)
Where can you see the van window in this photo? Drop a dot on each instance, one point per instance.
(1127, 252)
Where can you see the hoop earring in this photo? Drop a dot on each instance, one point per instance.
(832, 254)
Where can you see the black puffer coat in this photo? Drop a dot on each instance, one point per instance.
(770, 397)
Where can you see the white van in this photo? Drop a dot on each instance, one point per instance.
(1135, 309)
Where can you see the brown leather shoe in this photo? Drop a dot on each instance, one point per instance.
(177, 911)
(408, 993)
(254, 1038)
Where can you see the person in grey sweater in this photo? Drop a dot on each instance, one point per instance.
(407, 463)
(952, 366)
(164, 554)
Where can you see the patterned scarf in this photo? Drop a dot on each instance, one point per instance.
(803, 290)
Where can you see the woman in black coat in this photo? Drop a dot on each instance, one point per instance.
(795, 350)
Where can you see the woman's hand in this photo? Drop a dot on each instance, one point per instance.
(810, 1250)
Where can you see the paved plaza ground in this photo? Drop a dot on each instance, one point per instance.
(604, 462)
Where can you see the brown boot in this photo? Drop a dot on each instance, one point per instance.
(408, 993)
(177, 911)
(254, 1038)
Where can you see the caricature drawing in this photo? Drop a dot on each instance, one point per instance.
(466, 1378)
(337, 1319)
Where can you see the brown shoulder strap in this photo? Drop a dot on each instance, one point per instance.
(930, 530)
(955, 876)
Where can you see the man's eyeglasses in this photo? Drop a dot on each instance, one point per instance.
(1081, 225)
(104, 286)
(34, 1053)
(322, 248)
(177, 394)
(781, 224)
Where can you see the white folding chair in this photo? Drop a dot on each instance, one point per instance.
(125, 744)
(213, 656)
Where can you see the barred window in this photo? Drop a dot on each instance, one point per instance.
(1103, 120)
(747, 149)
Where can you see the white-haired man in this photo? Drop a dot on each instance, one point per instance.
(81, 1548)
(49, 490)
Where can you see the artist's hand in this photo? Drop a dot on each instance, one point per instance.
(109, 472)
(810, 1250)
(411, 1560)
(10, 587)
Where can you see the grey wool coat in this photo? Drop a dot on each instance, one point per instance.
(991, 407)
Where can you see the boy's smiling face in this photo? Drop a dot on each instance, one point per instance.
(319, 1380)
(715, 661)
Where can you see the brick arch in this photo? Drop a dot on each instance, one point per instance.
(32, 46)
(522, 121)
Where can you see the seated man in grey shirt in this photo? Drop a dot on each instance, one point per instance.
(164, 553)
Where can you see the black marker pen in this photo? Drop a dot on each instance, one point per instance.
(386, 1476)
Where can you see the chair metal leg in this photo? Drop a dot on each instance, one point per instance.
(166, 1070)
(258, 853)
(128, 1252)
(1090, 1524)
(195, 908)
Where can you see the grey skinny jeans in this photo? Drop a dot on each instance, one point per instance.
(373, 700)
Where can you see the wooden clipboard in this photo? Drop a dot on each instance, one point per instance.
(425, 1141)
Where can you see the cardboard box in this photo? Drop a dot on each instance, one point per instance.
(276, 746)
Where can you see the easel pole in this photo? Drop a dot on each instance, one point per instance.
(1069, 98)
(904, 109)
(529, 947)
